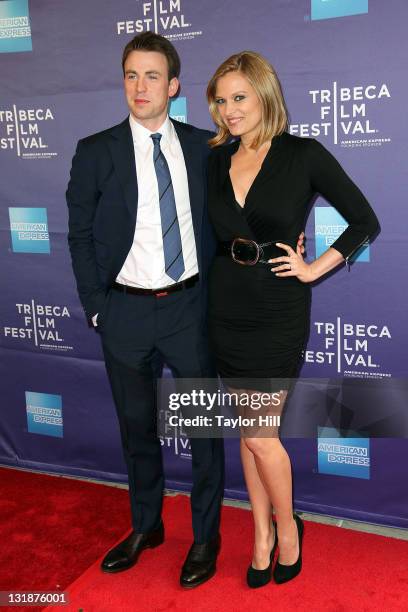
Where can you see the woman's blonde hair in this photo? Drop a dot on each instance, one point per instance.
(263, 78)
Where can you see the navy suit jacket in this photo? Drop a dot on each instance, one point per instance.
(102, 199)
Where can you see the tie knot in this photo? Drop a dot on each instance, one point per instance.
(156, 138)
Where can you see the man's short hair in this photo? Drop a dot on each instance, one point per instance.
(149, 41)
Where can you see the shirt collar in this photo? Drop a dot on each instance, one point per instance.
(141, 135)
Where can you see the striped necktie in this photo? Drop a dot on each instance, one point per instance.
(173, 253)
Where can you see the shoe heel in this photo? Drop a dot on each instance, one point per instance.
(284, 573)
(156, 539)
(259, 578)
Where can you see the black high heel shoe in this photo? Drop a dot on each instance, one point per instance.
(259, 578)
(284, 573)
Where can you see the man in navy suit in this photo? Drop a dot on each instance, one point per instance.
(141, 245)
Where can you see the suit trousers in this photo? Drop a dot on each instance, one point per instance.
(139, 333)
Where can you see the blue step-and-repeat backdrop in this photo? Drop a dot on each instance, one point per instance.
(342, 64)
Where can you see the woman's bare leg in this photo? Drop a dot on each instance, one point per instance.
(268, 477)
(261, 510)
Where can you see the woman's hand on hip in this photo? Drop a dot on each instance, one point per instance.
(292, 264)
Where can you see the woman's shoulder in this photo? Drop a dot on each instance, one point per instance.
(220, 154)
(296, 142)
(310, 150)
(226, 149)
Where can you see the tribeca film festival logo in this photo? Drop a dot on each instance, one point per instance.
(343, 115)
(342, 456)
(21, 131)
(44, 414)
(329, 224)
(29, 230)
(347, 347)
(165, 17)
(173, 437)
(39, 324)
(178, 442)
(328, 9)
(15, 30)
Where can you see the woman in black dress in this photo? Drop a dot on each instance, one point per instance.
(260, 188)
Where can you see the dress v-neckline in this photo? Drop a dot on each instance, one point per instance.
(243, 206)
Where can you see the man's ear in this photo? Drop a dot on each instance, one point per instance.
(174, 86)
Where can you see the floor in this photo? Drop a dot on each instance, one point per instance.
(391, 532)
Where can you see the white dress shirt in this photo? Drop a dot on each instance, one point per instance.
(144, 266)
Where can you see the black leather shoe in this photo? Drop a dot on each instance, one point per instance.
(200, 564)
(127, 552)
(259, 578)
(284, 573)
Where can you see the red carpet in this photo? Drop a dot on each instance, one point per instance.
(343, 571)
(52, 529)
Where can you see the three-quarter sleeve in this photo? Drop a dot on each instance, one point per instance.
(330, 180)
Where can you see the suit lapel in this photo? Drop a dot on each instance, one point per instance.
(192, 152)
(121, 147)
(123, 158)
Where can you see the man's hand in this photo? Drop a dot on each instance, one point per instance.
(300, 249)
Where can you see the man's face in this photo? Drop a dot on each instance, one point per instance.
(147, 87)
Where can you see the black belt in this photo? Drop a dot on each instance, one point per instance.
(248, 252)
(185, 284)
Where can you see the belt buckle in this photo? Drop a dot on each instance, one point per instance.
(161, 294)
(244, 242)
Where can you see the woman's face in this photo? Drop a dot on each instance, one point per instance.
(238, 105)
